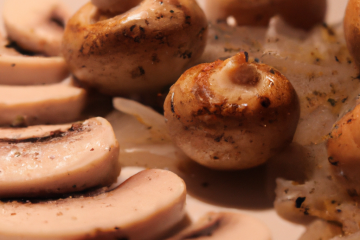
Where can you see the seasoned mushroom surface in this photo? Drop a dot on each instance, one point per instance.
(36, 25)
(144, 207)
(232, 114)
(143, 49)
(56, 162)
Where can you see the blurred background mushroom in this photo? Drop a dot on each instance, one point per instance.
(300, 14)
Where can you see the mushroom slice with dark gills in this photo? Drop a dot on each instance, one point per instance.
(142, 49)
(225, 225)
(36, 162)
(20, 67)
(232, 114)
(36, 25)
(146, 206)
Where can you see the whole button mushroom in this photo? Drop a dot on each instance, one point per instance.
(303, 14)
(142, 49)
(259, 12)
(36, 25)
(246, 12)
(352, 30)
(343, 151)
(232, 114)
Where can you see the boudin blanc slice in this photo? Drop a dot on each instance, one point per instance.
(82, 157)
(144, 207)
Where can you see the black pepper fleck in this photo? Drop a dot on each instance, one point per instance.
(246, 56)
(299, 201)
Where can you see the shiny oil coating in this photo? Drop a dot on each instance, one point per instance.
(143, 49)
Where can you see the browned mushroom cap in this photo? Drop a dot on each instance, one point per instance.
(52, 161)
(351, 29)
(144, 207)
(225, 225)
(142, 49)
(232, 114)
(343, 150)
(301, 14)
(36, 25)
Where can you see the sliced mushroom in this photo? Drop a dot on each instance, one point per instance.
(141, 50)
(144, 207)
(82, 157)
(43, 104)
(232, 114)
(343, 151)
(225, 225)
(36, 25)
(18, 69)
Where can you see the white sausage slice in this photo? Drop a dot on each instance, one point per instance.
(144, 207)
(83, 156)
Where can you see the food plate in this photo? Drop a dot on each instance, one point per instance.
(244, 191)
